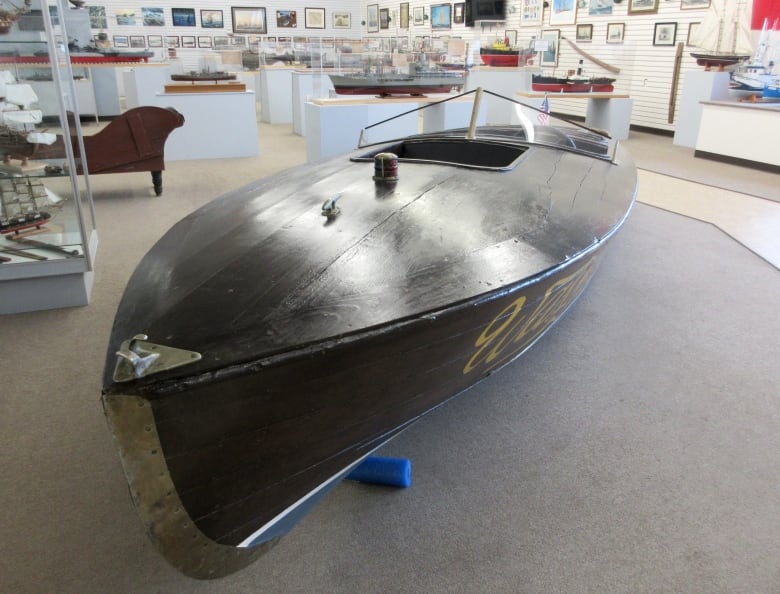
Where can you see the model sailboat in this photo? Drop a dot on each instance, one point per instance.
(723, 37)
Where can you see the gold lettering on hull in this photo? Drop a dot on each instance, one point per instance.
(516, 327)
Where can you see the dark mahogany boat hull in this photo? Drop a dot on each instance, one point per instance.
(322, 338)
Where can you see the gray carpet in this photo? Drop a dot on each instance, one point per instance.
(656, 152)
(634, 449)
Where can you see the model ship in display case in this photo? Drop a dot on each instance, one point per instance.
(21, 199)
(380, 79)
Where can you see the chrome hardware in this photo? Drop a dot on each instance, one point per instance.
(137, 358)
(329, 208)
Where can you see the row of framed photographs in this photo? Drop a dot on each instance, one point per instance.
(176, 41)
(663, 34)
(564, 12)
(439, 16)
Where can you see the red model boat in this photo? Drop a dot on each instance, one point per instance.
(500, 54)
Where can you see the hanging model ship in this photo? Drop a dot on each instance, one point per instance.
(377, 79)
(274, 338)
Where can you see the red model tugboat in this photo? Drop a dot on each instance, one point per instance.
(500, 54)
(261, 350)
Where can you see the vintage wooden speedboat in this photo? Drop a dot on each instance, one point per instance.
(275, 337)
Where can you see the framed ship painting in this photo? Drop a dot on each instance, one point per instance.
(418, 15)
(211, 19)
(384, 18)
(248, 20)
(584, 32)
(563, 12)
(441, 16)
(600, 7)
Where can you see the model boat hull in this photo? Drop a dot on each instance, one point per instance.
(505, 58)
(720, 61)
(400, 85)
(319, 339)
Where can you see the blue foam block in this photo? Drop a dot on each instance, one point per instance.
(394, 472)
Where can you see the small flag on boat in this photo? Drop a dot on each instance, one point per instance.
(544, 115)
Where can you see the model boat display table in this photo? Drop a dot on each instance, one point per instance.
(333, 125)
(604, 111)
(722, 133)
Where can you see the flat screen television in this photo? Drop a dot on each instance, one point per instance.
(483, 10)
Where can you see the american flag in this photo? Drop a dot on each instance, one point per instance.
(544, 115)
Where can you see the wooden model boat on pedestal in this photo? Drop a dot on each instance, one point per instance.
(277, 336)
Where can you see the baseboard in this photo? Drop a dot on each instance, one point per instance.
(737, 161)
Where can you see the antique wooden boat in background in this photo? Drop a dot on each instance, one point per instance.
(262, 350)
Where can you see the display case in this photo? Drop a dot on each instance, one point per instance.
(48, 238)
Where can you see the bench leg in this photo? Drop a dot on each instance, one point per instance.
(157, 182)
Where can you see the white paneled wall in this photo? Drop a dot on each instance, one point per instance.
(646, 70)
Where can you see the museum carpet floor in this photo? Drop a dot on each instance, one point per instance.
(634, 449)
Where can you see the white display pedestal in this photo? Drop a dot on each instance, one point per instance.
(143, 83)
(503, 81)
(216, 125)
(604, 111)
(49, 98)
(698, 86)
(47, 285)
(106, 89)
(276, 94)
(307, 85)
(741, 131)
(333, 126)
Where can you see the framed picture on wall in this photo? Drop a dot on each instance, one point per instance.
(188, 41)
(600, 7)
(511, 37)
(204, 41)
(153, 17)
(615, 32)
(154, 40)
(286, 19)
(211, 19)
(384, 18)
(694, 4)
(458, 12)
(642, 6)
(342, 20)
(172, 41)
(692, 30)
(584, 32)
(372, 18)
(418, 15)
(403, 15)
(248, 20)
(138, 41)
(183, 17)
(121, 41)
(665, 34)
(531, 13)
(315, 18)
(441, 16)
(550, 55)
(563, 12)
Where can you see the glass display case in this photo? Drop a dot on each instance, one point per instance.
(48, 237)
